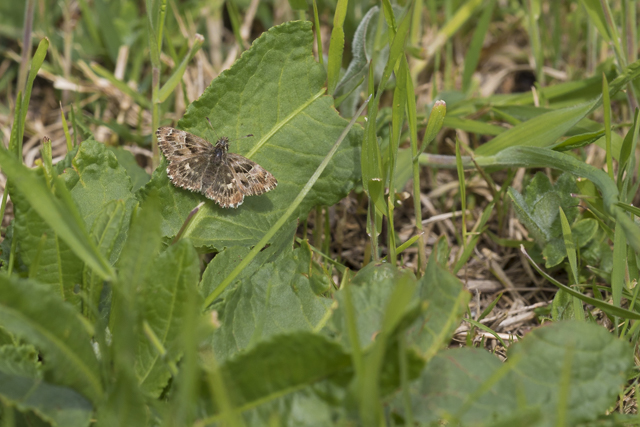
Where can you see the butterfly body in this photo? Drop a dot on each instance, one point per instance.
(197, 165)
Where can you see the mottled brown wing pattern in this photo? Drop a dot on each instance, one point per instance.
(197, 165)
(224, 189)
(188, 156)
(178, 144)
(254, 179)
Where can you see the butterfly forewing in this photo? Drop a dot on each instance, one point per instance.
(197, 165)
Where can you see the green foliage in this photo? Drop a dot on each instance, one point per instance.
(538, 207)
(549, 372)
(274, 92)
(112, 311)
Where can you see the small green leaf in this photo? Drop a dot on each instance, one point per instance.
(538, 208)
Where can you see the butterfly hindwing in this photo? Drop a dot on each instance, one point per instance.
(224, 189)
(254, 179)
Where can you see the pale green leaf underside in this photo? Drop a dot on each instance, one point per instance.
(275, 92)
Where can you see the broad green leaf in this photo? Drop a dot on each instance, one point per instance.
(60, 406)
(58, 212)
(597, 363)
(282, 365)
(108, 229)
(21, 360)
(95, 179)
(57, 265)
(446, 383)
(277, 299)
(125, 402)
(163, 297)
(474, 387)
(275, 92)
(39, 316)
(398, 306)
(135, 265)
(224, 262)
(127, 160)
(370, 289)
(446, 301)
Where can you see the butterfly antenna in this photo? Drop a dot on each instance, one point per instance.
(212, 128)
(210, 125)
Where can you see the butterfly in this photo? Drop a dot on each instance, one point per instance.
(197, 165)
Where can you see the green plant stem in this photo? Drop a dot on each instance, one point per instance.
(155, 115)
(285, 217)
(318, 35)
(26, 43)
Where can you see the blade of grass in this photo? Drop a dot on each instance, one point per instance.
(36, 63)
(463, 193)
(570, 247)
(606, 307)
(606, 103)
(413, 139)
(176, 77)
(619, 265)
(316, 21)
(475, 48)
(120, 85)
(65, 128)
(336, 46)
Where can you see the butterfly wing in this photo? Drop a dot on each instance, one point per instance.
(189, 157)
(253, 178)
(223, 187)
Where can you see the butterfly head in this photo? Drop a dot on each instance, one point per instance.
(221, 147)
